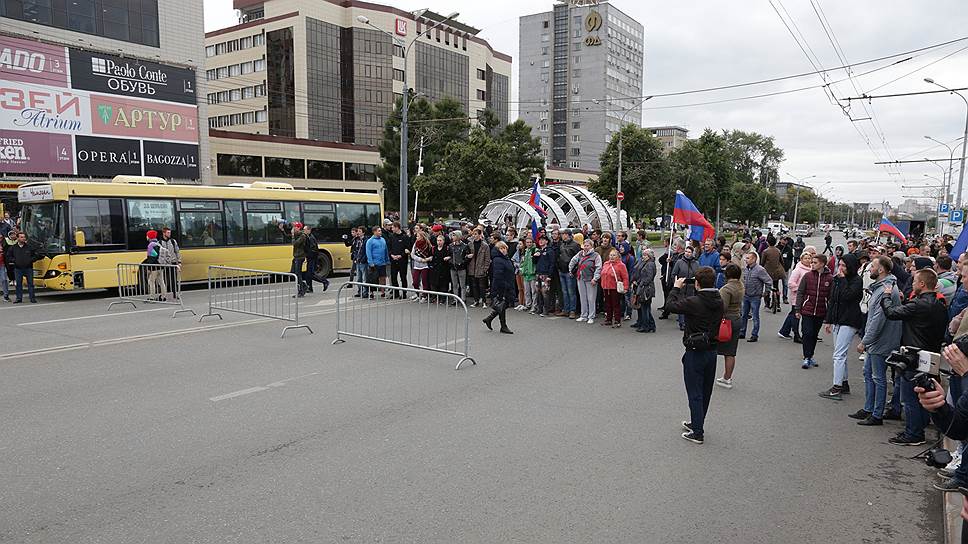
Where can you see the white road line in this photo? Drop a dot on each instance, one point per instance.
(63, 319)
(43, 351)
(256, 389)
(234, 394)
(24, 306)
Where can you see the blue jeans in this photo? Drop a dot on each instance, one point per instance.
(19, 274)
(843, 339)
(4, 281)
(875, 384)
(361, 278)
(645, 321)
(699, 375)
(916, 418)
(569, 291)
(751, 304)
(791, 325)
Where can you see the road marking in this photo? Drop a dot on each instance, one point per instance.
(234, 394)
(42, 351)
(88, 317)
(24, 306)
(259, 388)
(326, 302)
(157, 335)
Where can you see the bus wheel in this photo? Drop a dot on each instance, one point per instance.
(324, 267)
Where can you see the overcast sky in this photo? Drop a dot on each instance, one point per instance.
(698, 44)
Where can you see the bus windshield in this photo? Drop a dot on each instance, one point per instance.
(44, 225)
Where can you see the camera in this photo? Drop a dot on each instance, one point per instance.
(937, 457)
(690, 281)
(924, 365)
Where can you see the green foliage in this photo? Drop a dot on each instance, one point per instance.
(646, 173)
(703, 170)
(749, 202)
(439, 123)
(755, 157)
(472, 172)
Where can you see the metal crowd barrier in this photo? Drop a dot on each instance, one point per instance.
(432, 321)
(254, 292)
(150, 284)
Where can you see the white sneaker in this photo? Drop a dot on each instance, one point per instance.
(724, 383)
(590, 321)
(519, 307)
(955, 462)
(580, 320)
(862, 356)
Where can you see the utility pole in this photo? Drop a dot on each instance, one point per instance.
(964, 142)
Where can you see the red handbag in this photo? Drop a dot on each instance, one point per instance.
(725, 330)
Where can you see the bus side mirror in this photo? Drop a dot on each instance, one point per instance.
(79, 239)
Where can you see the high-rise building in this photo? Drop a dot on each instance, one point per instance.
(580, 79)
(300, 90)
(96, 88)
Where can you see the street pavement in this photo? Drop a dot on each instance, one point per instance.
(133, 426)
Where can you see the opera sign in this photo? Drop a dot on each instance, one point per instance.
(143, 119)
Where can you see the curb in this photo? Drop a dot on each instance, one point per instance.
(952, 503)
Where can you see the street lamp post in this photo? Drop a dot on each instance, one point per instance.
(964, 142)
(796, 205)
(951, 160)
(404, 111)
(618, 184)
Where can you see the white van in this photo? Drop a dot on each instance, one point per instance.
(777, 228)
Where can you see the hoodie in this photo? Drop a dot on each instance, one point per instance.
(702, 311)
(845, 297)
(882, 336)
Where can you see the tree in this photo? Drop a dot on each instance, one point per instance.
(438, 123)
(755, 157)
(472, 173)
(749, 202)
(646, 179)
(525, 150)
(703, 170)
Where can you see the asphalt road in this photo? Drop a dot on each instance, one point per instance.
(131, 426)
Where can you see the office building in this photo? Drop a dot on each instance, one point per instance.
(580, 79)
(97, 88)
(672, 137)
(306, 87)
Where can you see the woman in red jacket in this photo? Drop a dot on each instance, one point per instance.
(613, 272)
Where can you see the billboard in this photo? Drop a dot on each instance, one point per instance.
(131, 77)
(21, 152)
(70, 111)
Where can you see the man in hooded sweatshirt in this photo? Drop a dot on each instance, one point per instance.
(702, 312)
(881, 337)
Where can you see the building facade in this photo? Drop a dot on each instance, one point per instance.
(315, 83)
(96, 88)
(570, 58)
(672, 137)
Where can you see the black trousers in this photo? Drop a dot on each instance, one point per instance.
(699, 375)
(811, 328)
(398, 267)
(478, 287)
(501, 315)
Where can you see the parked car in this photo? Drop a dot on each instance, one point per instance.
(803, 230)
(777, 228)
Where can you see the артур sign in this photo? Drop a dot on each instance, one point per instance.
(145, 119)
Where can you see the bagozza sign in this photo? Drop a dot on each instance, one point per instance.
(168, 160)
(93, 71)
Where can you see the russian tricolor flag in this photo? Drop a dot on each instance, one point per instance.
(890, 228)
(535, 200)
(686, 213)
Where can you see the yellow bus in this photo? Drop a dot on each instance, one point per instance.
(84, 229)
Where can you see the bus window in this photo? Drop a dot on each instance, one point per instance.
(373, 216)
(99, 220)
(262, 222)
(324, 226)
(350, 215)
(234, 229)
(292, 212)
(145, 215)
(201, 229)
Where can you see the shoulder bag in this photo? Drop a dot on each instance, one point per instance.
(619, 284)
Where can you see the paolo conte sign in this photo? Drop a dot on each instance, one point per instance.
(131, 77)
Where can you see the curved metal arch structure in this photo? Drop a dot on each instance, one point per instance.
(584, 208)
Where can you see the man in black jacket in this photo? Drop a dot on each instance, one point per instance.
(22, 256)
(398, 244)
(569, 286)
(703, 313)
(925, 319)
(786, 257)
(312, 259)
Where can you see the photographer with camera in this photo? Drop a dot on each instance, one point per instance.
(881, 337)
(951, 420)
(703, 313)
(924, 316)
